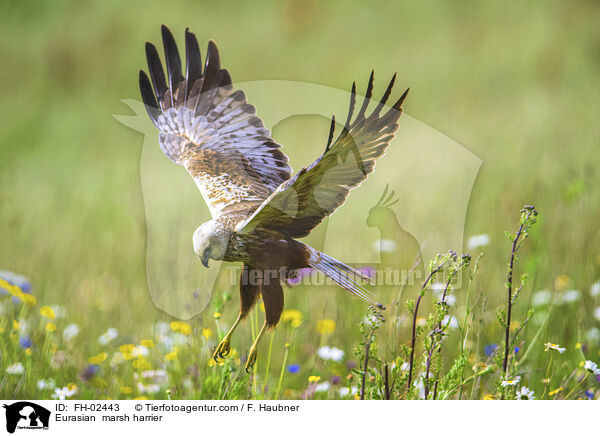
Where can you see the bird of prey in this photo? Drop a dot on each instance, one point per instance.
(258, 209)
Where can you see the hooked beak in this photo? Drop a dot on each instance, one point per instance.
(205, 256)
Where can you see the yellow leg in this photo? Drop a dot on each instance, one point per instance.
(222, 349)
(253, 349)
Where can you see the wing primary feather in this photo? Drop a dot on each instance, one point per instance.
(212, 68)
(157, 73)
(361, 113)
(331, 130)
(193, 59)
(352, 104)
(148, 97)
(398, 105)
(225, 78)
(173, 61)
(386, 95)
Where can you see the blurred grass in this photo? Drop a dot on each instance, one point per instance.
(516, 83)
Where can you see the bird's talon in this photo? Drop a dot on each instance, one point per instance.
(222, 350)
(251, 359)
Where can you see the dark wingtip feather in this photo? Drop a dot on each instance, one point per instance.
(398, 104)
(193, 58)
(351, 109)
(156, 71)
(148, 97)
(212, 68)
(331, 130)
(385, 97)
(225, 78)
(173, 61)
(368, 95)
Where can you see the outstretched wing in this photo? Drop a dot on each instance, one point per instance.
(209, 128)
(303, 201)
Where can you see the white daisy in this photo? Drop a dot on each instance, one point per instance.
(148, 389)
(595, 289)
(597, 313)
(591, 367)
(70, 331)
(477, 241)
(331, 353)
(322, 387)
(109, 336)
(451, 321)
(570, 296)
(43, 384)
(515, 381)
(63, 393)
(15, 368)
(554, 347)
(541, 298)
(593, 334)
(140, 350)
(525, 394)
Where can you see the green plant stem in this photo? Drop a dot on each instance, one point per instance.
(285, 357)
(268, 361)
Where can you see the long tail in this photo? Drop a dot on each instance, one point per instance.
(342, 274)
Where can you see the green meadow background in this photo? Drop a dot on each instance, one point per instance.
(515, 83)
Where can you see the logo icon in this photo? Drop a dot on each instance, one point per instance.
(26, 415)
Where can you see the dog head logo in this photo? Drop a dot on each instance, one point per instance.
(24, 414)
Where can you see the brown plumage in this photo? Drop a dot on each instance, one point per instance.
(258, 210)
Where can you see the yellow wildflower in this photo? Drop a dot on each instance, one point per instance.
(28, 351)
(325, 326)
(48, 312)
(17, 292)
(126, 390)
(291, 315)
(489, 397)
(50, 327)
(181, 327)
(28, 299)
(562, 282)
(314, 379)
(141, 398)
(217, 315)
(15, 324)
(148, 343)
(126, 348)
(127, 356)
(172, 355)
(72, 387)
(578, 345)
(554, 392)
(141, 363)
(207, 333)
(98, 359)
(287, 345)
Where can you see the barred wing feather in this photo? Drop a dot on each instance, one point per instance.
(302, 202)
(210, 128)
